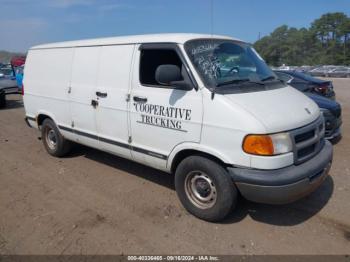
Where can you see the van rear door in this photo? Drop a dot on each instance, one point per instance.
(161, 117)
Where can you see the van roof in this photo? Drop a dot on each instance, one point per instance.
(133, 39)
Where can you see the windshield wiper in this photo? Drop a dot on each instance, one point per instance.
(238, 81)
(268, 78)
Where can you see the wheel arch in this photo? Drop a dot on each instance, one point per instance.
(179, 154)
(41, 116)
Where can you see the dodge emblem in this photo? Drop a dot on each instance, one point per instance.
(308, 111)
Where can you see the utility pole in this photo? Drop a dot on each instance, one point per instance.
(344, 51)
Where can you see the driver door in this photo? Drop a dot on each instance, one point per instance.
(161, 117)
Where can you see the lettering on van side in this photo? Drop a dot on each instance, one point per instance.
(162, 116)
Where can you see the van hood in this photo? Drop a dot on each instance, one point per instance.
(279, 109)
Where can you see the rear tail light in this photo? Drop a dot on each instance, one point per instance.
(323, 89)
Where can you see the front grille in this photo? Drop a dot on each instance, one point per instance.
(308, 140)
(304, 136)
(306, 151)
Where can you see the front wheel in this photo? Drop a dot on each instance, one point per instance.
(205, 188)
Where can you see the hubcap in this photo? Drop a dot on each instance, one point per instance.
(51, 139)
(200, 189)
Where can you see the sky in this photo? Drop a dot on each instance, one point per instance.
(24, 23)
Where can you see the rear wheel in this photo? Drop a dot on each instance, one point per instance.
(205, 188)
(55, 144)
(2, 100)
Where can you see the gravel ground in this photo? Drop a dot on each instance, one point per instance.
(91, 202)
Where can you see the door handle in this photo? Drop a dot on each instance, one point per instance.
(140, 99)
(100, 94)
(94, 103)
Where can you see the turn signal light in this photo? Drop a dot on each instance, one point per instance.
(258, 145)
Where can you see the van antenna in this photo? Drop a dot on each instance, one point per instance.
(211, 33)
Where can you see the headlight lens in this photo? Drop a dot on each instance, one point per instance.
(282, 143)
(268, 145)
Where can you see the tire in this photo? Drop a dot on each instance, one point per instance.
(2, 100)
(54, 143)
(196, 176)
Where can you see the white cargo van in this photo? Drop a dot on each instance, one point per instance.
(206, 108)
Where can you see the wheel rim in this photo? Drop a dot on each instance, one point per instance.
(200, 189)
(51, 139)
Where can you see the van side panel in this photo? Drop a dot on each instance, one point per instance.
(83, 91)
(46, 83)
(111, 113)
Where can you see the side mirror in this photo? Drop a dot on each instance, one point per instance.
(170, 75)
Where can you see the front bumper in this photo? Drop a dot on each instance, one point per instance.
(11, 90)
(335, 135)
(333, 125)
(284, 185)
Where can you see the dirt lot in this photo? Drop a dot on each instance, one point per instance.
(95, 203)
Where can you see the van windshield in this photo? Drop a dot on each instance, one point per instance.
(228, 63)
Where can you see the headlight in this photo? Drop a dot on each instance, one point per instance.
(268, 145)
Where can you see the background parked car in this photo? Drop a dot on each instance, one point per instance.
(11, 78)
(321, 70)
(330, 108)
(7, 86)
(8, 81)
(307, 83)
(7, 71)
(18, 61)
(332, 115)
(339, 72)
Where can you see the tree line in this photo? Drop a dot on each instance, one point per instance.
(326, 41)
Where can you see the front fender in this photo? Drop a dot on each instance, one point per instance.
(197, 147)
